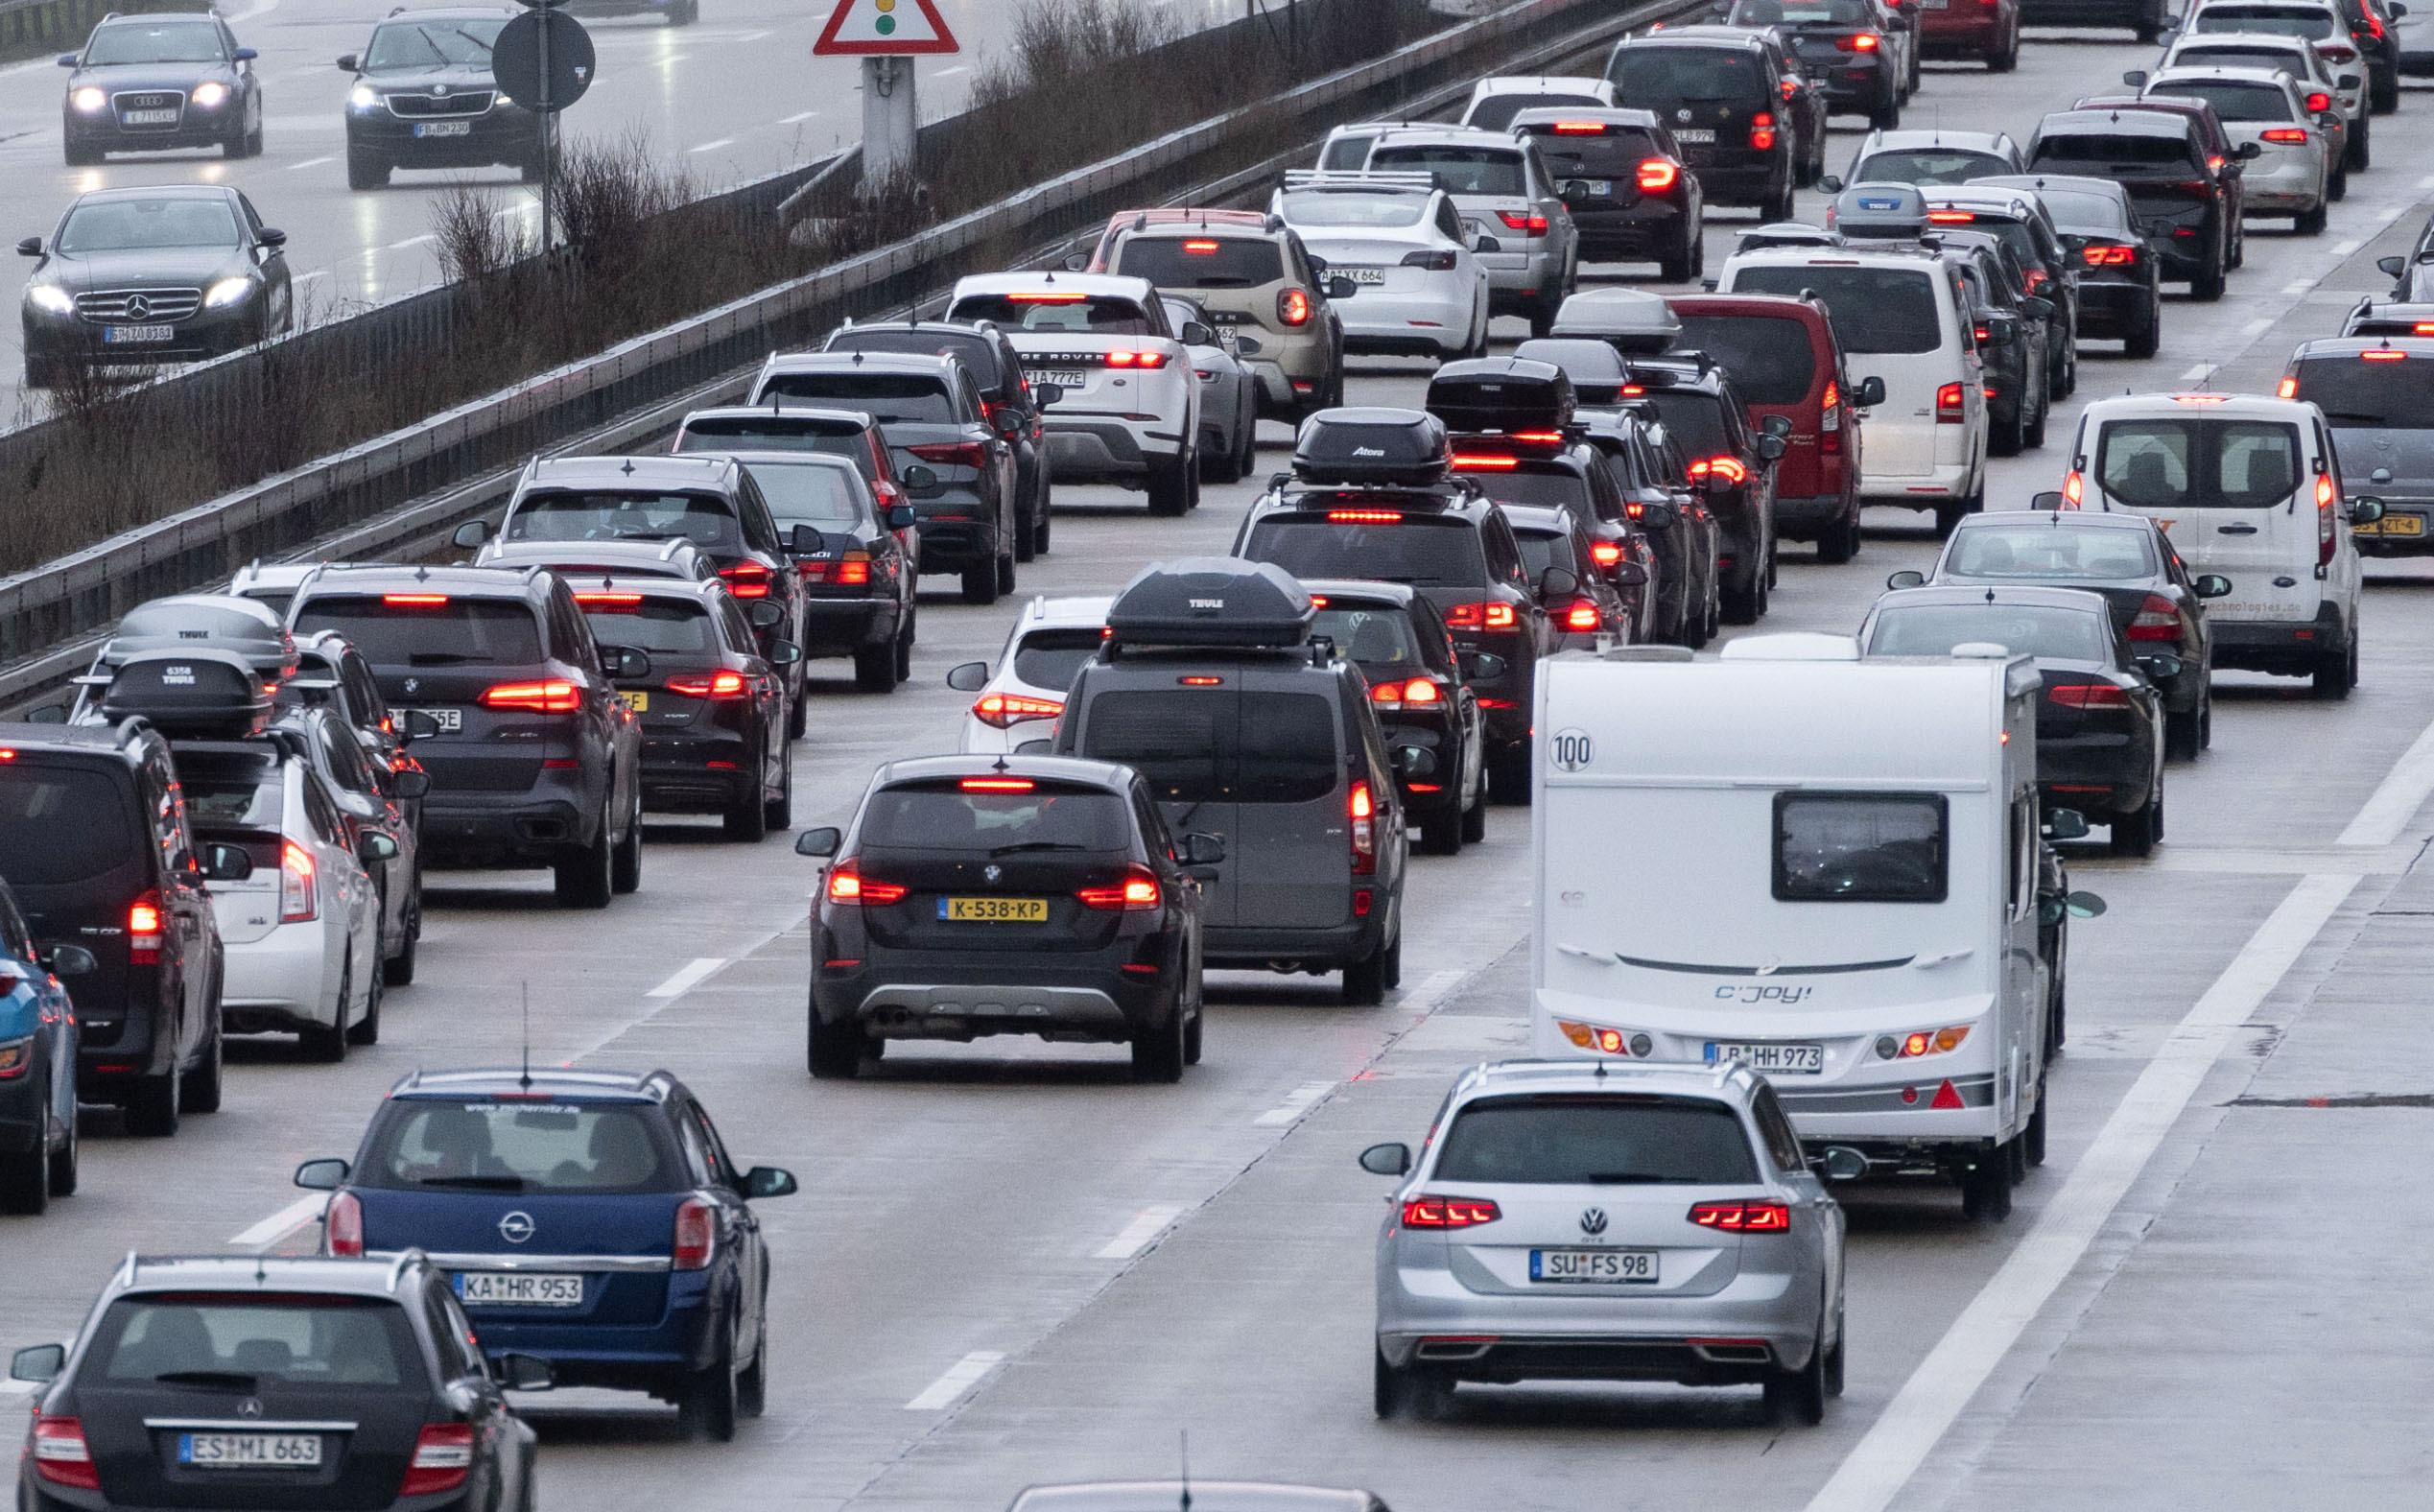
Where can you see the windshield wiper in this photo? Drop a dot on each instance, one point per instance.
(1020, 847)
(474, 1183)
(234, 1380)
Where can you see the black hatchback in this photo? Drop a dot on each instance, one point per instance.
(1723, 89)
(272, 1382)
(1629, 190)
(1420, 690)
(1730, 458)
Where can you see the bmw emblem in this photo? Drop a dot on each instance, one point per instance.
(516, 1227)
(992, 872)
(1683, 116)
(138, 308)
(1593, 1221)
(414, 685)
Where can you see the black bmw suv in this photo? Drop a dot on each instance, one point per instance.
(424, 97)
(146, 83)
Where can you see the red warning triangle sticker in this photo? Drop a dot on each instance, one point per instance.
(884, 27)
(1947, 1096)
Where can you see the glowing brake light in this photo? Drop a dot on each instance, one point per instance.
(1952, 217)
(2328, 502)
(2287, 388)
(1483, 461)
(849, 571)
(1200, 248)
(2072, 696)
(1656, 174)
(997, 785)
(2075, 488)
(2319, 101)
(1761, 131)
(1449, 1212)
(1523, 221)
(143, 931)
(2284, 133)
(1292, 307)
(1138, 892)
(554, 696)
(300, 894)
(746, 580)
(1950, 404)
(1003, 711)
(1830, 422)
(1582, 616)
(1144, 362)
(1605, 554)
(1481, 616)
(1368, 516)
(1728, 468)
(1743, 1217)
(2109, 256)
(413, 600)
(1859, 42)
(1364, 831)
(2382, 354)
(1046, 298)
(1580, 129)
(848, 888)
(609, 602)
(708, 685)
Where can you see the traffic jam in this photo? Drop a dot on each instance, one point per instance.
(1778, 535)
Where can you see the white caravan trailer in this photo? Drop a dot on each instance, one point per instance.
(1825, 866)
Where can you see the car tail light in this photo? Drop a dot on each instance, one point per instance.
(1580, 129)
(2319, 102)
(1761, 131)
(554, 696)
(1200, 248)
(299, 893)
(1140, 360)
(1440, 261)
(1484, 462)
(1658, 174)
(697, 1238)
(2075, 488)
(2087, 695)
(413, 600)
(849, 571)
(2107, 256)
(1952, 217)
(1830, 423)
(2382, 354)
(1003, 711)
(848, 888)
(1983, 334)
(1138, 892)
(1522, 220)
(60, 1455)
(1396, 694)
(1582, 616)
(143, 931)
(2287, 388)
(1743, 1217)
(709, 685)
(343, 1225)
(2156, 620)
(1949, 405)
(997, 785)
(1790, 88)
(608, 603)
(954, 454)
(2035, 278)
(443, 1458)
(1292, 307)
(1449, 1212)
(2337, 51)
(1728, 468)
(1859, 42)
(1364, 810)
(1480, 617)
(1606, 553)
(2328, 500)
(2284, 133)
(2375, 28)
(1364, 516)
(746, 580)
(1057, 297)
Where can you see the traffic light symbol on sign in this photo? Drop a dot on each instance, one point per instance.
(886, 26)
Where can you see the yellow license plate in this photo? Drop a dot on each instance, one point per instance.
(639, 702)
(993, 910)
(2394, 524)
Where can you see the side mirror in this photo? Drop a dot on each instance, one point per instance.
(323, 1175)
(1906, 578)
(2048, 500)
(783, 654)
(1194, 334)
(373, 847)
(1045, 394)
(68, 60)
(226, 863)
(2066, 825)
(350, 63)
(2365, 512)
(769, 1181)
(1832, 183)
(244, 55)
(1201, 850)
(1777, 425)
(901, 517)
(1657, 516)
(624, 662)
(471, 533)
(2389, 267)
(1386, 1160)
(919, 482)
(1556, 581)
(414, 724)
(1632, 575)
(1076, 262)
(1008, 424)
(1484, 243)
(2249, 152)
(2135, 78)
(1412, 761)
(411, 783)
(1482, 665)
(806, 540)
(1869, 394)
(765, 614)
(525, 1372)
(821, 841)
(969, 678)
(2001, 330)
(71, 960)
(1771, 448)
(38, 1363)
(47, 714)
(1840, 1162)
(1340, 287)
(2084, 904)
(1032, 748)
(2037, 307)
(2160, 664)
(2213, 585)
(2396, 12)
(31, 247)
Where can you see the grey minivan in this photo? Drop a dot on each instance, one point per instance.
(1210, 686)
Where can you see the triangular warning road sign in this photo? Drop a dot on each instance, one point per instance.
(886, 26)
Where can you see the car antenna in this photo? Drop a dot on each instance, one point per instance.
(1183, 1501)
(1001, 763)
(524, 1082)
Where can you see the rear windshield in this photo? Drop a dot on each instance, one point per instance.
(835, 439)
(1695, 419)
(1541, 550)
(409, 631)
(972, 351)
(1928, 165)
(2015, 235)
(1933, 629)
(2232, 101)
(913, 398)
(1766, 356)
(238, 793)
(651, 624)
(2279, 60)
(1860, 848)
(479, 1146)
(810, 493)
(703, 519)
(1413, 549)
(1799, 13)
(1644, 76)
(1459, 170)
(1372, 636)
(1605, 1140)
(60, 824)
(2314, 25)
(1200, 745)
(1496, 112)
(941, 817)
(243, 1343)
(2351, 391)
(2169, 463)
(2077, 210)
(1614, 152)
(2106, 154)
(1201, 262)
(1347, 152)
(1355, 210)
(1050, 658)
(1550, 488)
(1080, 314)
(1874, 311)
(2031, 553)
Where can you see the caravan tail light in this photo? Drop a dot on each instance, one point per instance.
(343, 1225)
(1743, 1217)
(2328, 503)
(1923, 1042)
(1949, 404)
(300, 890)
(2156, 619)
(2086, 696)
(1449, 1212)
(143, 931)
(1138, 892)
(1364, 810)
(1605, 1041)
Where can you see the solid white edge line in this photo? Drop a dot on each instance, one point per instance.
(2396, 799)
(1910, 1427)
(280, 1224)
(687, 978)
(1136, 1234)
(960, 1378)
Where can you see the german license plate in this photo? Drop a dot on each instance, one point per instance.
(1695, 136)
(993, 910)
(493, 1288)
(167, 117)
(1365, 276)
(1593, 1267)
(638, 701)
(451, 721)
(1771, 1059)
(136, 335)
(443, 128)
(2392, 524)
(1069, 379)
(249, 1451)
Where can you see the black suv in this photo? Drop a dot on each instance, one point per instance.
(535, 760)
(277, 1381)
(1628, 188)
(1733, 460)
(145, 82)
(1722, 89)
(424, 97)
(94, 827)
(2157, 158)
(1420, 690)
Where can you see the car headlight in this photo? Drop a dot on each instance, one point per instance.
(90, 98)
(209, 94)
(363, 96)
(228, 291)
(50, 298)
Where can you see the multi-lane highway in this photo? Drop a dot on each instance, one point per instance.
(1012, 1264)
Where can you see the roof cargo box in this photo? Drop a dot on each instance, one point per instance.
(1372, 446)
(1596, 370)
(1784, 233)
(1212, 601)
(218, 621)
(203, 693)
(1501, 394)
(1880, 212)
(1631, 319)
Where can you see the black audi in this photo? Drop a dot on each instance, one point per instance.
(143, 84)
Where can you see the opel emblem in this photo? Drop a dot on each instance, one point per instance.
(992, 872)
(1593, 1221)
(1683, 116)
(249, 1408)
(138, 308)
(516, 1227)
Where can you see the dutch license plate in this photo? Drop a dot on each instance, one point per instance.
(136, 335)
(167, 117)
(1595, 1267)
(993, 910)
(451, 721)
(2392, 524)
(495, 1288)
(1695, 136)
(1069, 379)
(1771, 1059)
(443, 128)
(638, 701)
(1365, 276)
(1600, 188)
(249, 1451)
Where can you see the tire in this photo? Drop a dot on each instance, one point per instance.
(399, 970)
(778, 813)
(1947, 517)
(2207, 286)
(365, 1030)
(1743, 606)
(327, 1044)
(25, 1182)
(2383, 91)
(835, 1050)
(746, 820)
(1508, 778)
(2032, 1139)
(1442, 835)
(63, 1163)
(2006, 60)
(1365, 979)
(1409, 1391)
(1026, 542)
(798, 716)
(2006, 438)
(1986, 1191)
(1043, 526)
(1834, 1360)
(2337, 673)
(233, 145)
(979, 584)
(153, 1112)
(2311, 223)
(364, 170)
(1244, 466)
(752, 1386)
(1157, 1054)
(1193, 1032)
(710, 1405)
(200, 1089)
(1800, 1395)
(1542, 315)
(1219, 467)
(1171, 488)
(1885, 115)
(2361, 152)
(2182, 735)
(1682, 267)
(2340, 189)
(2136, 833)
(906, 633)
(253, 141)
(2143, 341)
(582, 879)
(875, 669)
(1839, 543)
(1475, 819)
(1782, 206)
(625, 864)
(1005, 568)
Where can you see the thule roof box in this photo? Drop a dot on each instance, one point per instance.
(1371, 448)
(1880, 212)
(200, 693)
(1632, 321)
(1211, 601)
(221, 620)
(1785, 233)
(1501, 394)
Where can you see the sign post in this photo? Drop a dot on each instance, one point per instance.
(886, 34)
(544, 59)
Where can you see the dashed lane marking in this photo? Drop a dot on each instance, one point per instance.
(961, 1376)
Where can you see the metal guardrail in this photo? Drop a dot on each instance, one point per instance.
(417, 483)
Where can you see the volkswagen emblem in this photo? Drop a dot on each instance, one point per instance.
(518, 1227)
(249, 1408)
(1683, 116)
(992, 872)
(138, 308)
(1593, 1221)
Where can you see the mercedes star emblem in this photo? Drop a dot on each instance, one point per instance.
(249, 1408)
(992, 872)
(516, 1227)
(1593, 1221)
(138, 308)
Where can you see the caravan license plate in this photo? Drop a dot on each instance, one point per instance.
(493, 1288)
(993, 910)
(249, 1451)
(2392, 524)
(1595, 1267)
(1773, 1060)
(1695, 136)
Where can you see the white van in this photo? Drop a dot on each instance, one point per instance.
(2248, 487)
(1901, 315)
(1855, 917)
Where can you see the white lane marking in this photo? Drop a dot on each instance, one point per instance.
(797, 117)
(2396, 799)
(2195, 371)
(2426, 183)
(1296, 1103)
(2346, 245)
(1136, 1234)
(687, 978)
(2257, 327)
(412, 241)
(751, 36)
(2298, 286)
(280, 1224)
(310, 162)
(1881, 1463)
(712, 147)
(961, 1376)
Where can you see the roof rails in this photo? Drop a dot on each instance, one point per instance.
(1374, 178)
(398, 1266)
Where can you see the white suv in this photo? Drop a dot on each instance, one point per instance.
(1115, 382)
(1021, 698)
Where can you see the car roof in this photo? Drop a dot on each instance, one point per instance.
(1605, 115)
(2060, 520)
(1177, 231)
(154, 17)
(932, 363)
(1701, 36)
(2242, 406)
(1445, 137)
(497, 552)
(2271, 77)
(2281, 41)
(1113, 776)
(1077, 611)
(1982, 197)
(156, 191)
(2126, 120)
(1201, 1496)
(1402, 595)
(2353, 346)
(626, 474)
(2373, 309)
(64, 739)
(450, 13)
(491, 1082)
(1179, 214)
(280, 1274)
(1540, 519)
(1968, 141)
(1117, 286)
(1543, 84)
(1680, 1077)
(781, 411)
(2082, 601)
(520, 582)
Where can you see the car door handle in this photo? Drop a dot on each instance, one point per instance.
(2234, 530)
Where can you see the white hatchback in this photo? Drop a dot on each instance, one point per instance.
(1022, 696)
(1421, 292)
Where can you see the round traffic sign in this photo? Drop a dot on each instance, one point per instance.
(515, 58)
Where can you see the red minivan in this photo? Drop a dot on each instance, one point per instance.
(1782, 356)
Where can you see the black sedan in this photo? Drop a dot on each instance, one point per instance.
(858, 570)
(1593, 607)
(147, 82)
(1031, 895)
(1420, 690)
(2120, 276)
(141, 276)
(2100, 723)
(2155, 604)
(424, 97)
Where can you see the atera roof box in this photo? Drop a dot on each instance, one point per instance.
(1212, 601)
(1501, 394)
(201, 694)
(1631, 320)
(199, 621)
(1372, 447)
(1880, 212)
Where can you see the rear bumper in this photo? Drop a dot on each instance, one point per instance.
(957, 531)
(2291, 647)
(653, 1355)
(24, 1120)
(1426, 1316)
(1084, 996)
(1418, 323)
(842, 627)
(697, 772)
(508, 829)
(1652, 228)
(2284, 186)
(2114, 310)
(280, 981)
(2068, 767)
(1946, 483)
(1744, 180)
(1329, 948)
(1801, 519)
(1095, 449)
(1958, 33)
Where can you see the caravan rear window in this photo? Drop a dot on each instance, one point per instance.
(1860, 847)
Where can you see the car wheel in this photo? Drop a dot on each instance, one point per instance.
(875, 668)
(1800, 1395)
(1681, 267)
(2340, 189)
(625, 865)
(253, 141)
(1441, 834)
(1409, 1391)
(1157, 1051)
(1842, 1336)
(1986, 1188)
(365, 1030)
(2183, 735)
(2361, 152)
(1194, 1030)
(1885, 115)
(709, 1407)
(1041, 523)
(233, 145)
(200, 1089)
(2033, 437)
(2032, 1140)
(778, 813)
(1508, 777)
(153, 1112)
(63, 1160)
(2311, 223)
(2336, 672)
(1474, 818)
(2136, 833)
(1006, 571)
(25, 1182)
(326, 1042)
(398, 971)
(1742, 602)
(747, 818)
(79, 155)
(1365, 979)
(2208, 285)
(1949, 516)
(979, 584)
(752, 1386)
(835, 1051)
(1026, 542)
(1171, 487)
(2143, 341)
(798, 715)
(582, 879)
(2383, 95)
(903, 645)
